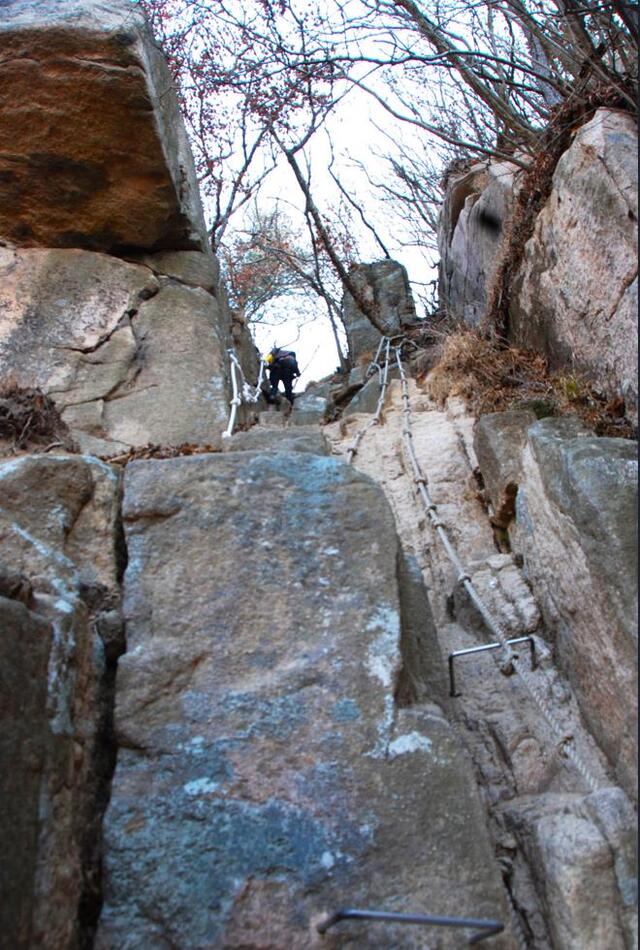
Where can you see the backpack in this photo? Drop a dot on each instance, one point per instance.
(286, 358)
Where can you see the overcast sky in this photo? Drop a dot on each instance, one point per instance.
(353, 136)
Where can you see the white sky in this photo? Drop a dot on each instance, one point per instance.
(351, 132)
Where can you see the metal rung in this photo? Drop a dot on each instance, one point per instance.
(487, 928)
(481, 649)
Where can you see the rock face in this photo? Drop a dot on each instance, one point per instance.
(59, 536)
(298, 439)
(555, 844)
(99, 156)
(367, 398)
(265, 775)
(25, 641)
(386, 285)
(309, 408)
(583, 853)
(574, 500)
(131, 351)
(499, 439)
(575, 297)
(472, 222)
(576, 527)
(129, 357)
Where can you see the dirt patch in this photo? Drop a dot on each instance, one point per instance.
(492, 377)
(29, 420)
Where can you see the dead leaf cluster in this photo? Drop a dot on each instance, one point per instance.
(30, 420)
(154, 451)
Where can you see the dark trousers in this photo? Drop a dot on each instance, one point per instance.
(285, 377)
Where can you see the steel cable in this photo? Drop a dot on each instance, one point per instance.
(565, 741)
(383, 377)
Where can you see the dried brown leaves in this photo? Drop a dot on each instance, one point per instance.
(160, 452)
(30, 420)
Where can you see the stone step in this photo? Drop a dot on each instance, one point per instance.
(299, 439)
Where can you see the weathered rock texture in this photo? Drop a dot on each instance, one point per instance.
(129, 357)
(499, 439)
(386, 286)
(576, 528)
(95, 153)
(299, 439)
(59, 539)
(25, 641)
(472, 221)
(569, 502)
(265, 775)
(555, 844)
(574, 296)
(583, 854)
(309, 408)
(132, 352)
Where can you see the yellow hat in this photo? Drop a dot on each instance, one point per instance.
(269, 358)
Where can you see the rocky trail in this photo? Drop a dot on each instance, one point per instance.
(547, 824)
(225, 660)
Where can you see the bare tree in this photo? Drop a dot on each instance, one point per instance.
(479, 78)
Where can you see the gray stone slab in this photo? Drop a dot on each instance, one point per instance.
(366, 399)
(25, 641)
(301, 439)
(308, 408)
(265, 775)
(59, 531)
(385, 284)
(576, 527)
(498, 441)
(126, 361)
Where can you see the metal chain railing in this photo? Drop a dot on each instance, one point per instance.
(383, 378)
(564, 740)
(241, 393)
(486, 928)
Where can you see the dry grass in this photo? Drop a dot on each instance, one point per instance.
(30, 420)
(492, 377)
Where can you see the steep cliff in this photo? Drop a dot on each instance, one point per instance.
(224, 687)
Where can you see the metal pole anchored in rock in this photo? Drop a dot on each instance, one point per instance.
(510, 661)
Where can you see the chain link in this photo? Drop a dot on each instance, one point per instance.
(509, 659)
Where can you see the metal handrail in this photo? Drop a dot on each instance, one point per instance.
(481, 649)
(487, 928)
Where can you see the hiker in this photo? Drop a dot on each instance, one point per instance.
(283, 368)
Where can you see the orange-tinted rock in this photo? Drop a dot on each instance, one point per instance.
(93, 150)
